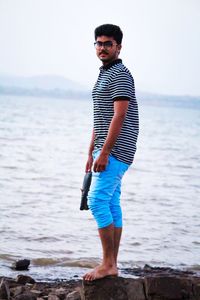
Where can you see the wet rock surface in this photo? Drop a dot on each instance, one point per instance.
(21, 265)
(144, 284)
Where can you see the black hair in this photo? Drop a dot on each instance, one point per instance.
(109, 30)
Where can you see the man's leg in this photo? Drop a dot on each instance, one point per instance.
(117, 238)
(107, 240)
(108, 266)
(110, 239)
(116, 212)
(102, 190)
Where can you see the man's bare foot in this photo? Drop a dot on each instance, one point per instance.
(101, 272)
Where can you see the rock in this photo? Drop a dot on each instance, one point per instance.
(26, 296)
(53, 297)
(169, 288)
(21, 265)
(135, 289)
(36, 293)
(196, 289)
(17, 291)
(151, 287)
(73, 296)
(61, 293)
(115, 288)
(161, 271)
(107, 288)
(23, 279)
(4, 290)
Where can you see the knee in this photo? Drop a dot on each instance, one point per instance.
(101, 213)
(116, 215)
(94, 207)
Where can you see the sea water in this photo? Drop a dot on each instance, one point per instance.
(43, 151)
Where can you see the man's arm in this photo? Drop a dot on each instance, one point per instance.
(89, 163)
(120, 110)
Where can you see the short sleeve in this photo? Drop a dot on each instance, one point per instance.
(122, 86)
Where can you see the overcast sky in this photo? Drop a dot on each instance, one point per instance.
(161, 44)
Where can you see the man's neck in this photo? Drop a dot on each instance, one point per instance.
(111, 63)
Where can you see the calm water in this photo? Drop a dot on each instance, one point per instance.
(43, 150)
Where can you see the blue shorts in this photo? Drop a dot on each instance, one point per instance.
(105, 191)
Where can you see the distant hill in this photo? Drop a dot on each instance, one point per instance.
(41, 86)
(46, 82)
(60, 87)
(168, 100)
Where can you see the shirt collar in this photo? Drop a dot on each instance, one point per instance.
(108, 66)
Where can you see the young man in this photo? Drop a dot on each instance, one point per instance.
(113, 144)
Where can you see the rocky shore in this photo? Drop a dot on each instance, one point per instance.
(137, 284)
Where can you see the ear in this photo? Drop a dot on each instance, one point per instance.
(119, 47)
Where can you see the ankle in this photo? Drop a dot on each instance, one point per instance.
(109, 264)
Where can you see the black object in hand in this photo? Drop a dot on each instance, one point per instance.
(85, 189)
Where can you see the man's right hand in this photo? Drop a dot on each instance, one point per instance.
(88, 167)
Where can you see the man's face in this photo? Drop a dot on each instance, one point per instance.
(107, 49)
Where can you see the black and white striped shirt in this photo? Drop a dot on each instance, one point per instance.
(115, 82)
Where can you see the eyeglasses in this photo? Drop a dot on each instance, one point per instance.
(107, 45)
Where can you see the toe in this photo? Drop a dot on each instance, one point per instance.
(90, 277)
(85, 276)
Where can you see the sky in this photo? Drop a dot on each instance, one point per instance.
(161, 43)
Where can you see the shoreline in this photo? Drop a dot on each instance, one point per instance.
(146, 283)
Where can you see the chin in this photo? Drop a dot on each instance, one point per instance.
(103, 59)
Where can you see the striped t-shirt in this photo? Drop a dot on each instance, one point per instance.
(114, 83)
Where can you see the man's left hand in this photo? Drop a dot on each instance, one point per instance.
(101, 163)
